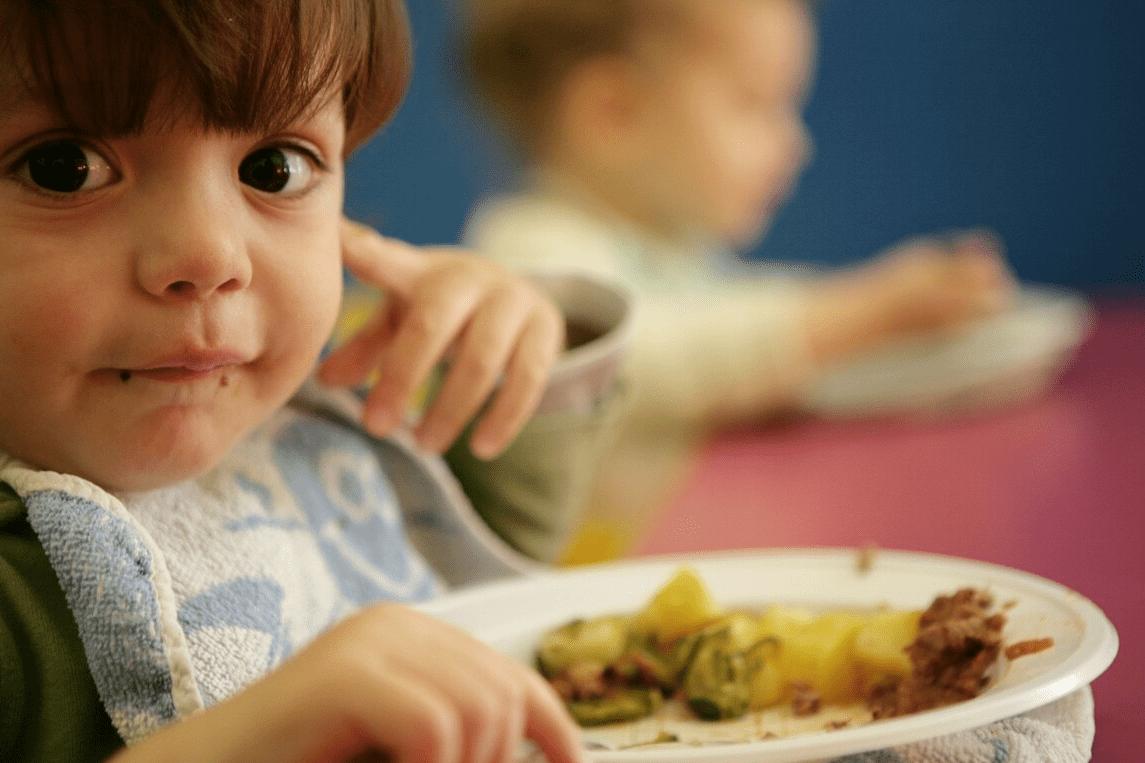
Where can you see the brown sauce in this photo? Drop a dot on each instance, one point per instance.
(580, 333)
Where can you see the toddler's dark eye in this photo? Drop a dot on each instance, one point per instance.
(66, 167)
(276, 169)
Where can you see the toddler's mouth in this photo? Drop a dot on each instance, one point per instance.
(169, 373)
(184, 367)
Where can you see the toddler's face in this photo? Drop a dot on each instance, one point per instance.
(722, 122)
(162, 293)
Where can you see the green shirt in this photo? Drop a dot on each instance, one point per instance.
(49, 709)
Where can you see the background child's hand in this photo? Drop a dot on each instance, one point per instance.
(494, 326)
(934, 283)
(922, 287)
(389, 679)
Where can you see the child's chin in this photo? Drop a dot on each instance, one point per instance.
(140, 472)
(750, 231)
(146, 479)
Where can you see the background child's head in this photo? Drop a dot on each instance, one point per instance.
(681, 114)
(170, 211)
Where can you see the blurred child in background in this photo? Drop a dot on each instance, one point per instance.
(661, 135)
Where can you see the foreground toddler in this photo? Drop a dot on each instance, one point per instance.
(192, 552)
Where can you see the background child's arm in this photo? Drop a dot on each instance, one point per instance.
(389, 679)
(496, 328)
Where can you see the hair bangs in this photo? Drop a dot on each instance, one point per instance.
(238, 65)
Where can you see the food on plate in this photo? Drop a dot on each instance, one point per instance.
(1029, 646)
(724, 663)
(959, 639)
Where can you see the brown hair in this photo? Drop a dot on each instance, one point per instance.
(517, 53)
(246, 65)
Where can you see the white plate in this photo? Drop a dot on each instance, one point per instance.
(997, 360)
(511, 616)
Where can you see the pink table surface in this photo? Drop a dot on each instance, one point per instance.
(1053, 487)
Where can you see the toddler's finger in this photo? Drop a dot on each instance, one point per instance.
(489, 693)
(351, 363)
(982, 270)
(487, 698)
(983, 240)
(431, 324)
(524, 382)
(476, 368)
(477, 703)
(549, 724)
(384, 263)
(409, 720)
(508, 743)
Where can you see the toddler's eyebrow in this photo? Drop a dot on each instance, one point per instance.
(17, 97)
(24, 107)
(13, 98)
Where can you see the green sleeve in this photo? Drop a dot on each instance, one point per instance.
(49, 709)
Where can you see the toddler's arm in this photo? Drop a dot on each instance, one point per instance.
(389, 679)
(495, 326)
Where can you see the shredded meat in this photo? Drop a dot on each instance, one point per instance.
(637, 668)
(805, 700)
(580, 680)
(1029, 646)
(865, 559)
(958, 640)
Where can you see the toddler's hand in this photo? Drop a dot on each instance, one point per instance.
(921, 287)
(388, 679)
(934, 283)
(494, 326)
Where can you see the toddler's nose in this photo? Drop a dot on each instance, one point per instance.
(194, 247)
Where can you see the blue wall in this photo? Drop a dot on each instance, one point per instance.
(1021, 115)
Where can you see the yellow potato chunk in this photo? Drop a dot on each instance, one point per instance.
(767, 685)
(781, 621)
(880, 645)
(683, 605)
(821, 653)
(743, 629)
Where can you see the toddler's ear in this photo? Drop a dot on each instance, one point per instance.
(596, 107)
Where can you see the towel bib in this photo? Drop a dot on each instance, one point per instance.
(186, 594)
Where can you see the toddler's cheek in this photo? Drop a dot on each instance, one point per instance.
(325, 297)
(44, 324)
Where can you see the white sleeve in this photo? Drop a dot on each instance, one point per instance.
(528, 233)
(729, 352)
(724, 348)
